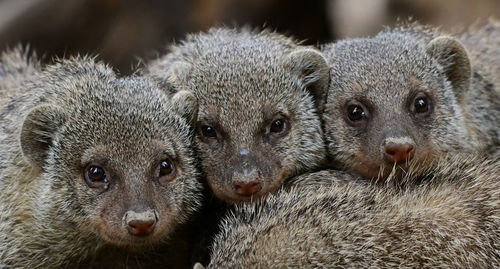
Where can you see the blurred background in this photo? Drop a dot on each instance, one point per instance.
(123, 31)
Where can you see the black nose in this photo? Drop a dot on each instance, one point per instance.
(140, 224)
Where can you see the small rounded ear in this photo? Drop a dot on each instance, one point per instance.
(166, 73)
(178, 70)
(454, 59)
(186, 105)
(198, 266)
(313, 72)
(38, 131)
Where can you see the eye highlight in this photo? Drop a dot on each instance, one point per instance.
(421, 106)
(208, 132)
(166, 171)
(355, 113)
(95, 176)
(279, 127)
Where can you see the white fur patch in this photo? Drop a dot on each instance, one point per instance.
(399, 140)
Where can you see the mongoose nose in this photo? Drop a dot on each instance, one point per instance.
(399, 152)
(247, 188)
(141, 227)
(140, 224)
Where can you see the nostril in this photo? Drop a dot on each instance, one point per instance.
(141, 227)
(410, 149)
(390, 152)
(247, 188)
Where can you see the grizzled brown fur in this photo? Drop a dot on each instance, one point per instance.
(260, 95)
(80, 170)
(412, 93)
(451, 220)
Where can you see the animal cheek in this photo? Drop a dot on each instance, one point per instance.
(105, 223)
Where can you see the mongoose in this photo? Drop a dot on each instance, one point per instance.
(260, 95)
(410, 94)
(94, 166)
(451, 220)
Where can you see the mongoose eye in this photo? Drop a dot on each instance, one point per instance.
(166, 171)
(355, 113)
(208, 132)
(279, 127)
(95, 177)
(421, 105)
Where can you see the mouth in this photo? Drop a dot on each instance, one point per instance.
(124, 239)
(234, 198)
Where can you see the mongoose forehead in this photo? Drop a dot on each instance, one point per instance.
(259, 95)
(403, 96)
(341, 222)
(110, 162)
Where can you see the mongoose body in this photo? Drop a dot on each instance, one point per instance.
(411, 94)
(96, 170)
(260, 95)
(451, 220)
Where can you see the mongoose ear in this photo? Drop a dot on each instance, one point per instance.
(454, 59)
(313, 72)
(198, 266)
(179, 70)
(38, 131)
(186, 105)
(175, 72)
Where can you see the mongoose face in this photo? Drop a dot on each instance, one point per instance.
(249, 144)
(259, 95)
(115, 152)
(395, 98)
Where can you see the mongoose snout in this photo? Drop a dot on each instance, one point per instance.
(398, 150)
(247, 182)
(142, 223)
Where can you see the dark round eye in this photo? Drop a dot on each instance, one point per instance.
(278, 126)
(208, 132)
(421, 105)
(355, 113)
(95, 176)
(166, 170)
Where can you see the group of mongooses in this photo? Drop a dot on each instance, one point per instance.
(98, 170)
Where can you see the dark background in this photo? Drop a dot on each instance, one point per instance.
(123, 31)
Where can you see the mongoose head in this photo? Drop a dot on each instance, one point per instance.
(259, 95)
(395, 98)
(115, 153)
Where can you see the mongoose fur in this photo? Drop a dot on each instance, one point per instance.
(450, 220)
(93, 166)
(412, 93)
